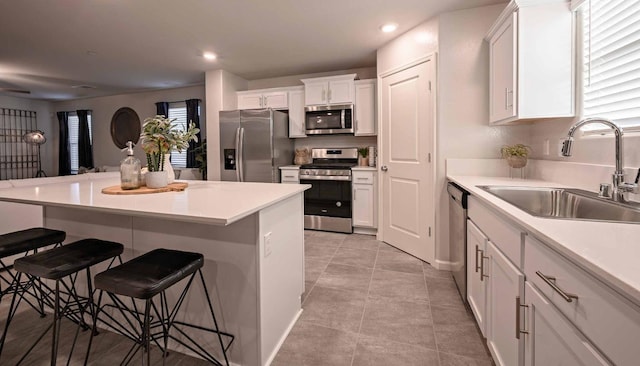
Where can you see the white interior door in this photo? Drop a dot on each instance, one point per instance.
(406, 145)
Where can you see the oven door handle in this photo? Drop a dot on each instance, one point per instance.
(325, 177)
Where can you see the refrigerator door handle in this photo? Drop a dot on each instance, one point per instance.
(238, 154)
(241, 152)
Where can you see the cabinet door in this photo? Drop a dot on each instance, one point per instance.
(249, 101)
(552, 339)
(503, 61)
(363, 205)
(476, 283)
(505, 286)
(315, 93)
(275, 100)
(365, 104)
(296, 114)
(340, 91)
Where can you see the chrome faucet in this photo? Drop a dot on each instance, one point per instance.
(619, 185)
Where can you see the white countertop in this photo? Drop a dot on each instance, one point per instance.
(365, 168)
(290, 167)
(610, 251)
(216, 203)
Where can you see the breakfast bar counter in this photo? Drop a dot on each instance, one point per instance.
(251, 235)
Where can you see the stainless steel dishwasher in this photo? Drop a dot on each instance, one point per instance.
(458, 236)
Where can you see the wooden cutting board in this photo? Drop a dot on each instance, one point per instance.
(173, 187)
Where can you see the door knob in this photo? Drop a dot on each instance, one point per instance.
(384, 168)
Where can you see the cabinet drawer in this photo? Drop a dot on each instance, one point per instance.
(503, 234)
(363, 177)
(610, 321)
(290, 176)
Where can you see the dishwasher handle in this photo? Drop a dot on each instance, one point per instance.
(457, 194)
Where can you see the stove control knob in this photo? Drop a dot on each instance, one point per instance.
(339, 204)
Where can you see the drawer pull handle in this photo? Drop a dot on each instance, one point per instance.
(289, 176)
(518, 306)
(482, 258)
(551, 281)
(359, 178)
(477, 262)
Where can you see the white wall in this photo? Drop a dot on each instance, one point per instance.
(408, 47)
(221, 87)
(463, 107)
(589, 149)
(105, 152)
(47, 122)
(462, 126)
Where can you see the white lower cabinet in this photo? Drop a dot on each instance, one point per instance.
(364, 199)
(476, 284)
(290, 174)
(536, 307)
(551, 338)
(505, 291)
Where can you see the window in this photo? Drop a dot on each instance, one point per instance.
(611, 62)
(74, 125)
(178, 110)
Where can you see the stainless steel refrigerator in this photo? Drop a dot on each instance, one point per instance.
(254, 144)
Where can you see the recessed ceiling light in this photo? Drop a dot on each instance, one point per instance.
(209, 56)
(389, 27)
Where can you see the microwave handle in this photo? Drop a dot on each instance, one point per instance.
(342, 114)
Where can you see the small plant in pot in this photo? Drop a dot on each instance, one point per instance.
(159, 136)
(516, 155)
(363, 156)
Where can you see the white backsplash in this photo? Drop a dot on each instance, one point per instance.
(579, 175)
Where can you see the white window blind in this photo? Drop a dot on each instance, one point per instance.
(611, 61)
(178, 111)
(74, 127)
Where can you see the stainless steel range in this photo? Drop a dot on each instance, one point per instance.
(327, 205)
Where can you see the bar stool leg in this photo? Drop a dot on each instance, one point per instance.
(213, 315)
(146, 335)
(56, 325)
(12, 309)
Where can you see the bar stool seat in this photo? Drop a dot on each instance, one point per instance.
(149, 274)
(62, 265)
(61, 262)
(25, 240)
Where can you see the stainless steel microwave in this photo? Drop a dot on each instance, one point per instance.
(332, 119)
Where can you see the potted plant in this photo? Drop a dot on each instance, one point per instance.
(363, 156)
(516, 155)
(159, 136)
(201, 158)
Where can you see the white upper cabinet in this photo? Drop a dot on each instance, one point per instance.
(531, 73)
(365, 105)
(296, 113)
(330, 90)
(253, 99)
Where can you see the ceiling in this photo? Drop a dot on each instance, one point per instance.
(55, 48)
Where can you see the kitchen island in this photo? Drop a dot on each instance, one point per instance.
(251, 235)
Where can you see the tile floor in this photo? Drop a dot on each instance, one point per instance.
(367, 303)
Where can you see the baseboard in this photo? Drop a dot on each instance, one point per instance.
(283, 338)
(365, 230)
(442, 265)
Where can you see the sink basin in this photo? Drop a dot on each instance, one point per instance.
(566, 203)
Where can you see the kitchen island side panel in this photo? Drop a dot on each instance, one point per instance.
(281, 268)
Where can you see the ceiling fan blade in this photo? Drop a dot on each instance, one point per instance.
(12, 90)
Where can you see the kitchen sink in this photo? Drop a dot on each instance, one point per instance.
(566, 203)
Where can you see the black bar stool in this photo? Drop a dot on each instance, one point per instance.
(58, 264)
(18, 242)
(143, 278)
